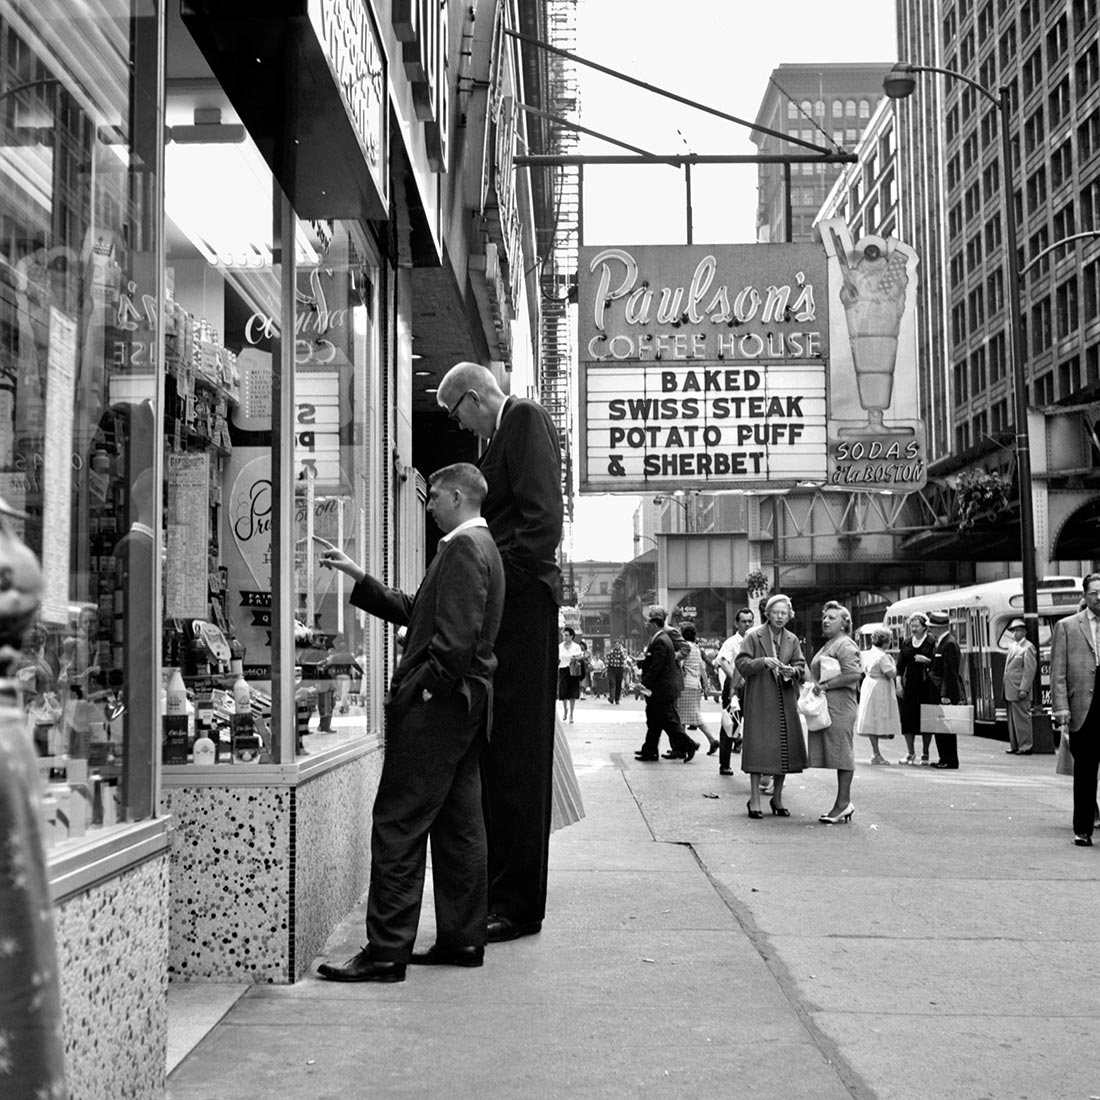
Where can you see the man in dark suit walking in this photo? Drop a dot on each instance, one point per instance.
(662, 682)
(944, 683)
(1074, 683)
(437, 720)
(522, 465)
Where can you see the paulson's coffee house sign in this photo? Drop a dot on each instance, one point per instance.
(750, 366)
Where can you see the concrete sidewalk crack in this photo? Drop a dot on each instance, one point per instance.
(857, 1088)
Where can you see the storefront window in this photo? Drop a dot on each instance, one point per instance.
(225, 325)
(79, 286)
(334, 369)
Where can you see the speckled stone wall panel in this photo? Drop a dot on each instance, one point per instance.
(230, 867)
(112, 944)
(332, 844)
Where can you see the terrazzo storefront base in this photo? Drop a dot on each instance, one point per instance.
(266, 861)
(111, 927)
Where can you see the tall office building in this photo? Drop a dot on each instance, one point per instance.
(828, 105)
(953, 185)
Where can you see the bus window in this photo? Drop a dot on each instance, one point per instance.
(1046, 632)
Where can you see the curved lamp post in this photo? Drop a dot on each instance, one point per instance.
(899, 83)
(662, 498)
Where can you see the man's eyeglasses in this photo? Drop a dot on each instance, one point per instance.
(453, 413)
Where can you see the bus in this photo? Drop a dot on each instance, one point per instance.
(980, 615)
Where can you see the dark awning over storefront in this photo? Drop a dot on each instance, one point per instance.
(308, 79)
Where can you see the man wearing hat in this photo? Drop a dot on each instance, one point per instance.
(1021, 661)
(943, 682)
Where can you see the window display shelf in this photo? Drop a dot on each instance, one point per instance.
(323, 758)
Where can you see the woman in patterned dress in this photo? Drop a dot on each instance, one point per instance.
(837, 671)
(695, 687)
(771, 662)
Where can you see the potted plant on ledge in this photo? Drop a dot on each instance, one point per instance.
(757, 584)
(980, 494)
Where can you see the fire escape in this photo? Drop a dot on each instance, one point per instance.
(557, 243)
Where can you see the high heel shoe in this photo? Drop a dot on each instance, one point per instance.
(778, 811)
(845, 815)
(756, 815)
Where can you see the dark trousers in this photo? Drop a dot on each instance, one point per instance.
(517, 766)
(430, 786)
(947, 748)
(615, 684)
(661, 715)
(1084, 745)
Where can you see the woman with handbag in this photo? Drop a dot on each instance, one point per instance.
(836, 671)
(913, 661)
(878, 717)
(571, 672)
(771, 662)
(694, 691)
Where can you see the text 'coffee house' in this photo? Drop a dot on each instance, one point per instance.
(750, 366)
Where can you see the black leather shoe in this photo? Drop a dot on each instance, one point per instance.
(689, 753)
(1024, 752)
(725, 771)
(944, 767)
(672, 754)
(439, 955)
(1083, 840)
(501, 929)
(1010, 752)
(362, 968)
(647, 757)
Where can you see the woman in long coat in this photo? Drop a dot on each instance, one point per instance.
(771, 662)
(913, 661)
(836, 670)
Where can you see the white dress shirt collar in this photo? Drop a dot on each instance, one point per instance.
(477, 521)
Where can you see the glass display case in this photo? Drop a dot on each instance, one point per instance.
(80, 292)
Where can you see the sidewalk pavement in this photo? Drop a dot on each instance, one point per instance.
(945, 944)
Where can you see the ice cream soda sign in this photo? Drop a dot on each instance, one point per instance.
(717, 367)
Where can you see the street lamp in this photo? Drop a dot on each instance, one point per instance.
(685, 505)
(899, 83)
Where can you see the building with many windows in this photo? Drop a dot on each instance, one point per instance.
(953, 184)
(828, 105)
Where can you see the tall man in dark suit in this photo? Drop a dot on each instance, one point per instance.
(438, 715)
(522, 464)
(662, 682)
(1074, 680)
(944, 685)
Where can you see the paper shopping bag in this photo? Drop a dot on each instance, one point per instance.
(955, 718)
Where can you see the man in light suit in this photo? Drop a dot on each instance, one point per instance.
(437, 722)
(1074, 677)
(944, 684)
(1021, 662)
(662, 682)
(522, 465)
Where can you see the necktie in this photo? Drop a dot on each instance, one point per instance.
(1095, 621)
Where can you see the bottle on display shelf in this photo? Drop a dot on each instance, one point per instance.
(236, 657)
(204, 751)
(174, 750)
(245, 743)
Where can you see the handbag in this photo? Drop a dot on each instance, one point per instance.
(1063, 758)
(814, 707)
(828, 668)
(957, 718)
(576, 667)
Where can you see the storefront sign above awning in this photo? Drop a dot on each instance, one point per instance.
(308, 79)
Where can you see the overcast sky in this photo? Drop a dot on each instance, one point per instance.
(718, 52)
